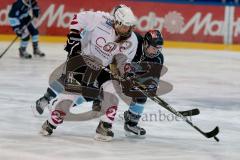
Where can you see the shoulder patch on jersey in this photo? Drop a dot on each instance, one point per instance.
(108, 23)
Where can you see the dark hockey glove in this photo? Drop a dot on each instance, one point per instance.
(36, 13)
(18, 31)
(129, 72)
(73, 44)
(128, 79)
(129, 75)
(151, 88)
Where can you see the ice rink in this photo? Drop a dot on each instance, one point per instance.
(208, 80)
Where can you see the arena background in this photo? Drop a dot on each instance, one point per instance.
(201, 78)
(208, 25)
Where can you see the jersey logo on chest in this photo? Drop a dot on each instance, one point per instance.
(112, 47)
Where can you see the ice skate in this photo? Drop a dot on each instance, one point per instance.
(24, 54)
(104, 132)
(41, 103)
(47, 129)
(130, 125)
(37, 52)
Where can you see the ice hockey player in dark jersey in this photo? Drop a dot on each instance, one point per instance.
(149, 47)
(20, 20)
(149, 50)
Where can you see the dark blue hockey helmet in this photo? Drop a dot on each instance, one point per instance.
(153, 43)
(154, 38)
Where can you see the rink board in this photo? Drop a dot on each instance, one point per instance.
(177, 22)
(168, 44)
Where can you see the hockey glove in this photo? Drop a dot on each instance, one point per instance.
(73, 43)
(128, 78)
(151, 88)
(129, 72)
(18, 31)
(129, 75)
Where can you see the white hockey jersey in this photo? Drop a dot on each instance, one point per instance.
(98, 37)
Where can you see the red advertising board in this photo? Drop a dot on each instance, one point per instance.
(236, 26)
(177, 22)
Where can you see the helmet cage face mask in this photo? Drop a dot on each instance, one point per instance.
(151, 51)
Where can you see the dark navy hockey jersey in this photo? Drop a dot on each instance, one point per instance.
(19, 14)
(140, 57)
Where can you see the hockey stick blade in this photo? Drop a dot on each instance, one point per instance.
(213, 133)
(192, 112)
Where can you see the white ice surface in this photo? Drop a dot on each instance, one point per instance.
(209, 80)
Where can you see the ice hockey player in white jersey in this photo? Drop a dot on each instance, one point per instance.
(100, 38)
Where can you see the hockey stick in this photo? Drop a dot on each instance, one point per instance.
(192, 112)
(160, 101)
(5, 51)
(15, 39)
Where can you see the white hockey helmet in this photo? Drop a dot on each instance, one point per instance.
(124, 15)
